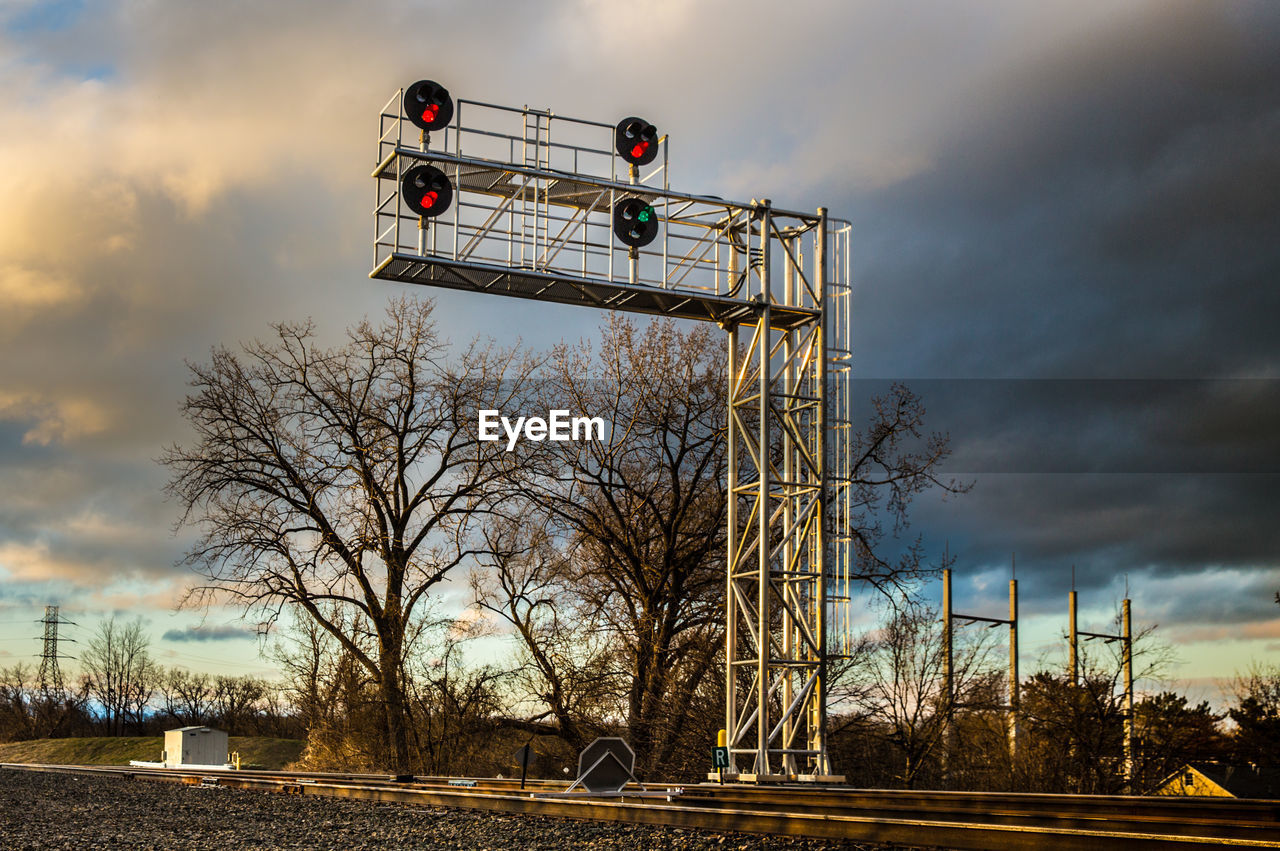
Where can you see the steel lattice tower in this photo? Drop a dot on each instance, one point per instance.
(532, 197)
(50, 671)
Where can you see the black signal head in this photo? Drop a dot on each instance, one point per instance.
(427, 190)
(636, 140)
(428, 105)
(635, 222)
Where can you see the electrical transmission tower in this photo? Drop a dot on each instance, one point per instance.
(50, 670)
(529, 203)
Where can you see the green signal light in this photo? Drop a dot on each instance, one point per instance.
(635, 222)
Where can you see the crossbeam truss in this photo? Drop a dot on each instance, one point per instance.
(532, 218)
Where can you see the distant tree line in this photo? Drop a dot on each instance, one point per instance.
(123, 691)
(886, 730)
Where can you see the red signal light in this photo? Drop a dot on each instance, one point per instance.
(428, 105)
(636, 141)
(426, 190)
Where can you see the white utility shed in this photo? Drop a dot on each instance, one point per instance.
(195, 746)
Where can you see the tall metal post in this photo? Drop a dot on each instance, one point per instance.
(821, 547)
(1125, 637)
(763, 516)
(1127, 649)
(948, 681)
(779, 555)
(1013, 670)
(1073, 638)
(731, 518)
(787, 582)
(949, 617)
(1073, 649)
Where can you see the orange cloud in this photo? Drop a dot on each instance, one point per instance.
(57, 420)
(1231, 632)
(36, 562)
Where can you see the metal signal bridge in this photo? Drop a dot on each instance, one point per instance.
(527, 203)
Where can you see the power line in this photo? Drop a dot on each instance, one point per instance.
(223, 662)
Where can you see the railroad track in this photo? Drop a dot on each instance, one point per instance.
(968, 820)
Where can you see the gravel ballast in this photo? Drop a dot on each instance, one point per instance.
(68, 811)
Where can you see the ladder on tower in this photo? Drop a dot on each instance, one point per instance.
(535, 154)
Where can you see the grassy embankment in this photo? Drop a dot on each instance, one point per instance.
(257, 751)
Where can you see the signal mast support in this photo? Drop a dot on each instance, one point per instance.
(780, 558)
(557, 225)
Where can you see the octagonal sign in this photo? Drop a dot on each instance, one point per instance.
(605, 765)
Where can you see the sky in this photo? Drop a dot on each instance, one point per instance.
(1065, 220)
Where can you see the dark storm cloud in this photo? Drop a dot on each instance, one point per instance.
(1165, 476)
(1221, 601)
(1099, 226)
(1173, 426)
(1107, 209)
(205, 634)
(1110, 524)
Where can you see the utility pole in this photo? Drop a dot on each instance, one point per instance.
(1126, 661)
(1073, 637)
(949, 617)
(1127, 639)
(948, 676)
(1013, 663)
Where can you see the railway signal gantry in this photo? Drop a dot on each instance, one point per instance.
(540, 206)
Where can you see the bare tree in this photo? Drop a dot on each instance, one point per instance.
(896, 682)
(894, 461)
(457, 706)
(235, 700)
(121, 674)
(17, 699)
(334, 694)
(639, 517)
(1074, 731)
(343, 480)
(568, 663)
(187, 696)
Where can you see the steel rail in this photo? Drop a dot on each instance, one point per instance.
(966, 820)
